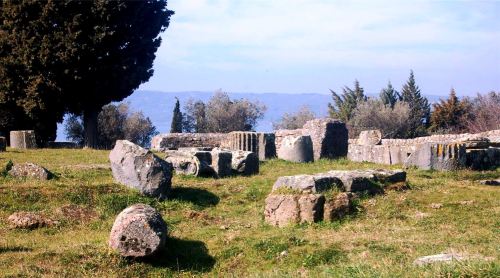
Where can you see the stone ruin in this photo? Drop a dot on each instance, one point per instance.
(319, 138)
(23, 139)
(439, 152)
(324, 196)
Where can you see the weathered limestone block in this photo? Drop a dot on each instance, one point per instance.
(370, 137)
(138, 231)
(388, 176)
(296, 149)
(23, 139)
(438, 156)
(266, 145)
(3, 144)
(139, 168)
(329, 137)
(30, 170)
(282, 133)
(285, 209)
(184, 164)
(282, 209)
(338, 206)
(311, 207)
(246, 163)
(308, 183)
(357, 181)
(242, 140)
(221, 163)
(182, 140)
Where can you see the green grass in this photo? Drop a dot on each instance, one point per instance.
(216, 227)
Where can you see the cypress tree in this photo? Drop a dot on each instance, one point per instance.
(419, 108)
(450, 115)
(389, 96)
(176, 126)
(343, 105)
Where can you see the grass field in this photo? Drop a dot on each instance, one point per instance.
(216, 227)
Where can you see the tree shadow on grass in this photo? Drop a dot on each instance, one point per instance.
(183, 255)
(197, 196)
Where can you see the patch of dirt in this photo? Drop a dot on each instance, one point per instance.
(77, 213)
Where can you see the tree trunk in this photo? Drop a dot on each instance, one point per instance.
(90, 128)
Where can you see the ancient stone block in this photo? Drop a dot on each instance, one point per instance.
(307, 183)
(438, 156)
(311, 207)
(139, 168)
(282, 209)
(296, 149)
(182, 140)
(329, 137)
(370, 137)
(246, 163)
(138, 231)
(266, 145)
(483, 159)
(356, 181)
(23, 139)
(221, 163)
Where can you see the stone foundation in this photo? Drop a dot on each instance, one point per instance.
(173, 141)
(23, 139)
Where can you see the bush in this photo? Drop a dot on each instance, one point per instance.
(485, 113)
(115, 122)
(373, 114)
(295, 120)
(221, 114)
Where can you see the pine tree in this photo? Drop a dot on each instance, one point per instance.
(176, 126)
(389, 96)
(343, 105)
(419, 107)
(450, 115)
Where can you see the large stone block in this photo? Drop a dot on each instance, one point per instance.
(311, 208)
(282, 209)
(139, 168)
(23, 139)
(338, 206)
(266, 145)
(308, 183)
(370, 137)
(138, 231)
(296, 149)
(175, 141)
(221, 163)
(438, 156)
(329, 137)
(245, 163)
(30, 170)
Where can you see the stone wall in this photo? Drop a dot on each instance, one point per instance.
(440, 152)
(185, 140)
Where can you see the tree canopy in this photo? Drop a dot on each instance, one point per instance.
(76, 56)
(419, 107)
(343, 105)
(176, 126)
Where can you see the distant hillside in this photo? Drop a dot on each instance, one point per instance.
(158, 106)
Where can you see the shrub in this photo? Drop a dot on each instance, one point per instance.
(295, 120)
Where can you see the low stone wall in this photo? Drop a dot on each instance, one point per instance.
(174, 141)
(440, 152)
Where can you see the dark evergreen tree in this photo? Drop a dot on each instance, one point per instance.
(176, 126)
(76, 56)
(389, 96)
(419, 108)
(450, 115)
(343, 105)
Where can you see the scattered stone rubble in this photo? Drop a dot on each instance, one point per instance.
(439, 152)
(328, 138)
(138, 231)
(139, 168)
(30, 170)
(302, 198)
(217, 162)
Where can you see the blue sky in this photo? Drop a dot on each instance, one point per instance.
(311, 46)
